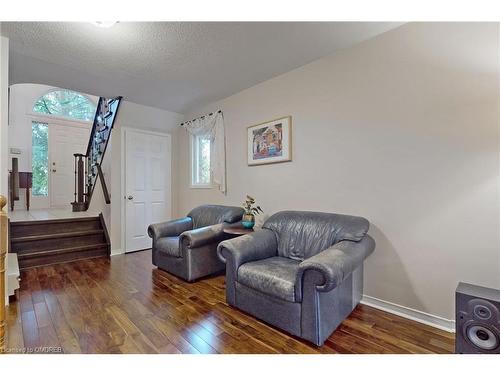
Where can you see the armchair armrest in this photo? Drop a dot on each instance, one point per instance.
(336, 263)
(202, 236)
(170, 228)
(254, 246)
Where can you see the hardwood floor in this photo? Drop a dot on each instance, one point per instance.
(125, 305)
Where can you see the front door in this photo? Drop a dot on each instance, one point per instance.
(64, 141)
(147, 185)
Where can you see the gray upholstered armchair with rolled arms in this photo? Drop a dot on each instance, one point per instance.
(187, 247)
(303, 272)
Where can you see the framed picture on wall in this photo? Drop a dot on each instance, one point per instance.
(270, 142)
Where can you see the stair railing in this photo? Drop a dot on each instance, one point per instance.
(88, 166)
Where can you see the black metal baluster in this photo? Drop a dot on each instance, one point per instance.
(75, 176)
(99, 137)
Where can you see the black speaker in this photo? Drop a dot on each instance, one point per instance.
(477, 314)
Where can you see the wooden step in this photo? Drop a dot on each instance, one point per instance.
(31, 244)
(44, 258)
(60, 251)
(45, 242)
(39, 227)
(42, 237)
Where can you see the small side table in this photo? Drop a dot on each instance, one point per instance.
(237, 231)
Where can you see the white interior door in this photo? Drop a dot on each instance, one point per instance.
(147, 185)
(64, 141)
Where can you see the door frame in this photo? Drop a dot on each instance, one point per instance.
(123, 181)
(46, 202)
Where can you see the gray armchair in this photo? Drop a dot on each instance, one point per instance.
(303, 272)
(187, 247)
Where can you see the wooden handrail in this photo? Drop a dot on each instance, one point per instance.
(107, 198)
(3, 253)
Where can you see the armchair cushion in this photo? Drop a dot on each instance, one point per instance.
(202, 236)
(335, 264)
(250, 247)
(303, 234)
(168, 246)
(170, 228)
(211, 214)
(274, 276)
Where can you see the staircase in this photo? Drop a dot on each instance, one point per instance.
(45, 242)
(88, 165)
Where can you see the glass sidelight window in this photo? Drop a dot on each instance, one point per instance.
(200, 161)
(40, 158)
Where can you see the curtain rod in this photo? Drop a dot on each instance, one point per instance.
(210, 114)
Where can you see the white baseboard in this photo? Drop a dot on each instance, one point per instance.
(409, 313)
(117, 252)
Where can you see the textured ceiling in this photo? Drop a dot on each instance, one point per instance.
(170, 65)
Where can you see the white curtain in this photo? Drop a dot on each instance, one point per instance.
(212, 126)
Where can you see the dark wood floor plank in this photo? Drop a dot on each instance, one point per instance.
(130, 314)
(77, 314)
(49, 283)
(142, 343)
(125, 305)
(110, 332)
(30, 330)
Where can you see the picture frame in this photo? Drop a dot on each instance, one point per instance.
(270, 142)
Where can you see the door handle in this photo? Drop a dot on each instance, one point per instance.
(130, 197)
(53, 170)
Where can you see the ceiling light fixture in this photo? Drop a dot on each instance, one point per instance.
(105, 24)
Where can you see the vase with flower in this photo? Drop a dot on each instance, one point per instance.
(251, 210)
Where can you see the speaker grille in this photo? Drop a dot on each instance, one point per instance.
(482, 312)
(481, 337)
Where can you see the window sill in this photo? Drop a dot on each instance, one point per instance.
(201, 186)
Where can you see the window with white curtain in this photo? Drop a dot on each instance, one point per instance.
(200, 162)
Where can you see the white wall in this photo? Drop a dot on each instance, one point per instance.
(137, 116)
(403, 130)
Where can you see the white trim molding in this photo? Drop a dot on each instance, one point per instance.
(116, 252)
(59, 120)
(409, 313)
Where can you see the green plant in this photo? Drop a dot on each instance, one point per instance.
(249, 207)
